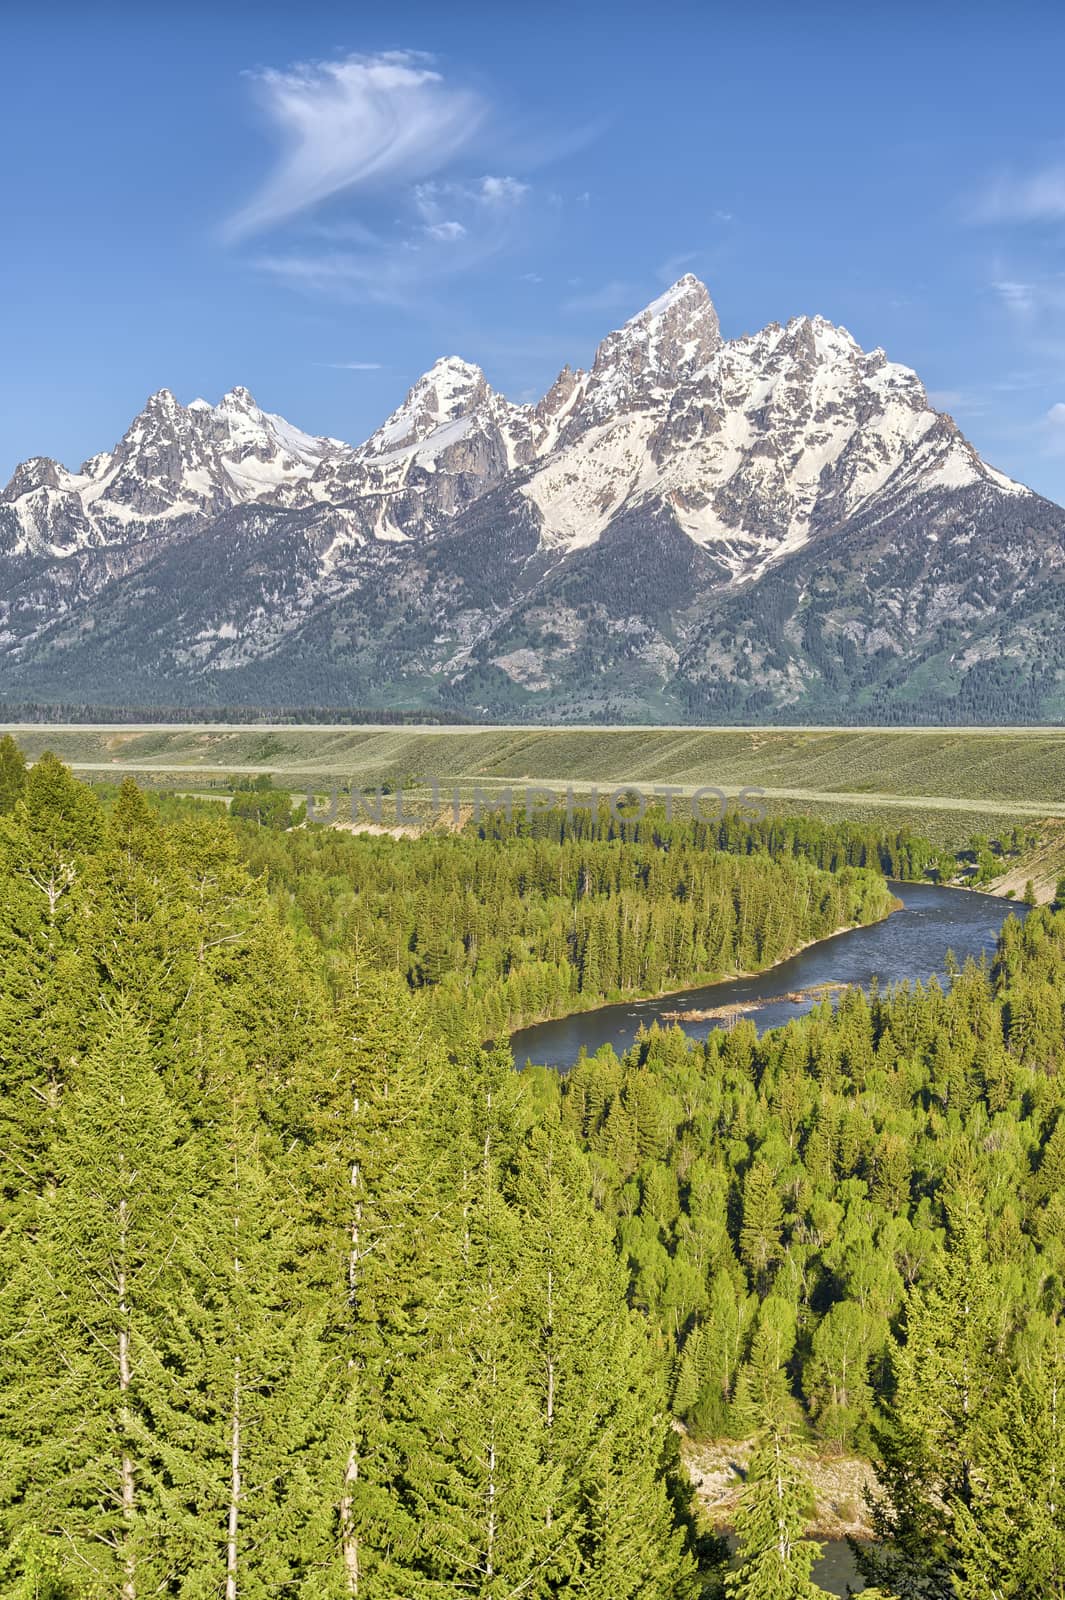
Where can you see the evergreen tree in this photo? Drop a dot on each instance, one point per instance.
(49, 980)
(12, 773)
(253, 1413)
(1010, 1531)
(945, 1371)
(760, 1242)
(85, 1313)
(775, 1560)
(604, 1428)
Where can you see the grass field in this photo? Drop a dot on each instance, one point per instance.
(949, 782)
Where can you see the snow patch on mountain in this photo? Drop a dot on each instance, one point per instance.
(754, 446)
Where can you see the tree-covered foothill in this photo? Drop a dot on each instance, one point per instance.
(294, 1297)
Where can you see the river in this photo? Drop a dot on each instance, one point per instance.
(910, 944)
(836, 1572)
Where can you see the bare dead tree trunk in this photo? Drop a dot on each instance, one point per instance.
(490, 1534)
(349, 1538)
(348, 1534)
(127, 1486)
(233, 1522)
(235, 1482)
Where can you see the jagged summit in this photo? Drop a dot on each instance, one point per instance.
(663, 345)
(687, 288)
(781, 514)
(173, 463)
(449, 391)
(751, 440)
(237, 399)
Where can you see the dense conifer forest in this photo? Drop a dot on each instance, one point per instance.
(305, 1291)
(504, 924)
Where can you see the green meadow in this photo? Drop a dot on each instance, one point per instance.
(948, 783)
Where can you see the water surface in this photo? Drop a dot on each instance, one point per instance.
(836, 1572)
(911, 944)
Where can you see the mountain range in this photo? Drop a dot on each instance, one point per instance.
(779, 526)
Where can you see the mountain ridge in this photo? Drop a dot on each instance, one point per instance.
(780, 522)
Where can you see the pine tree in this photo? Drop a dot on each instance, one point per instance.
(775, 1560)
(252, 1416)
(945, 1371)
(474, 1483)
(605, 1432)
(1010, 1533)
(12, 773)
(760, 1243)
(383, 1179)
(50, 983)
(85, 1319)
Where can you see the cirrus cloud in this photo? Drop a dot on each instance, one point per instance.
(375, 193)
(363, 121)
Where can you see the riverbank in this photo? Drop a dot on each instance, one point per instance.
(700, 980)
(910, 944)
(1043, 866)
(841, 1483)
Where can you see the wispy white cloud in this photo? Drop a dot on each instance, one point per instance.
(491, 193)
(1031, 298)
(338, 273)
(445, 232)
(1013, 197)
(358, 122)
(504, 191)
(437, 230)
(375, 193)
(615, 295)
(397, 274)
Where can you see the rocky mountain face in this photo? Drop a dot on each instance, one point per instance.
(779, 525)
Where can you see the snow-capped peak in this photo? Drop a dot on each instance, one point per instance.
(163, 400)
(687, 290)
(451, 390)
(238, 399)
(753, 444)
(671, 338)
(659, 348)
(173, 461)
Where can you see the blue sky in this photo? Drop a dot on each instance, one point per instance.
(317, 200)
